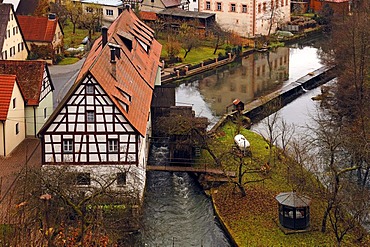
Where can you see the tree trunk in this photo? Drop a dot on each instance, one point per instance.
(217, 44)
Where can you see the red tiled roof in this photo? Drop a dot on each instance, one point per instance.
(148, 16)
(29, 74)
(136, 69)
(36, 28)
(6, 90)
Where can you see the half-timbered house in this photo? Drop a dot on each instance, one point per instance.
(37, 89)
(100, 129)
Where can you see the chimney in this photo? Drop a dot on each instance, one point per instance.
(112, 54)
(104, 34)
(52, 16)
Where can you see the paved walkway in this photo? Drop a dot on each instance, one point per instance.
(25, 155)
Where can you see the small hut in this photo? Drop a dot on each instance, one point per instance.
(294, 210)
(238, 105)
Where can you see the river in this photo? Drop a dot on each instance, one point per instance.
(176, 210)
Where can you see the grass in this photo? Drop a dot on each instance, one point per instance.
(68, 60)
(74, 39)
(252, 220)
(197, 55)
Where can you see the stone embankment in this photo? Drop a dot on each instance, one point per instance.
(265, 105)
(182, 71)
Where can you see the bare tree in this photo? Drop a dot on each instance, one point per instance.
(74, 11)
(270, 130)
(91, 18)
(189, 37)
(59, 208)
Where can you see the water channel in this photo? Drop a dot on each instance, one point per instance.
(176, 210)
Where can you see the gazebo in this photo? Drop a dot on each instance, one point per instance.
(294, 210)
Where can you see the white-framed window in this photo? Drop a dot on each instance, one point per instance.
(89, 89)
(17, 128)
(208, 5)
(233, 7)
(121, 178)
(109, 12)
(219, 6)
(113, 145)
(244, 8)
(90, 116)
(83, 178)
(67, 145)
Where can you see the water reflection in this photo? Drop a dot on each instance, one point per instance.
(247, 79)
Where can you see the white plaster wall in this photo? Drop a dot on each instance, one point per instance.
(14, 40)
(193, 5)
(244, 23)
(47, 103)
(15, 116)
(104, 174)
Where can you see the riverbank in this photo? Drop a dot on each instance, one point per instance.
(252, 220)
(183, 70)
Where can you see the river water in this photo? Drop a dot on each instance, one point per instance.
(176, 210)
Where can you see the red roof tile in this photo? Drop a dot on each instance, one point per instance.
(6, 89)
(29, 74)
(36, 28)
(148, 16)
(136, 69)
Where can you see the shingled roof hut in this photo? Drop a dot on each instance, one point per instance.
(294, 210)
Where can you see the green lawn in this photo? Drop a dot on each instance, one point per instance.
(68, 60)
(252, 220)
(74, 39)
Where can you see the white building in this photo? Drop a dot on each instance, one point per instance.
(111, 9)
(37, 89)
(100, 129)
(12, 43)
(248, 18)
(12, 125)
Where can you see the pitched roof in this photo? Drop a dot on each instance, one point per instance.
(148, 16)
(292, 199)
(136, 69)
(29, 74)
(37, 28)
(6, 90)
(171, 3)
(4, 18)
(27, 7)
(15, 3)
